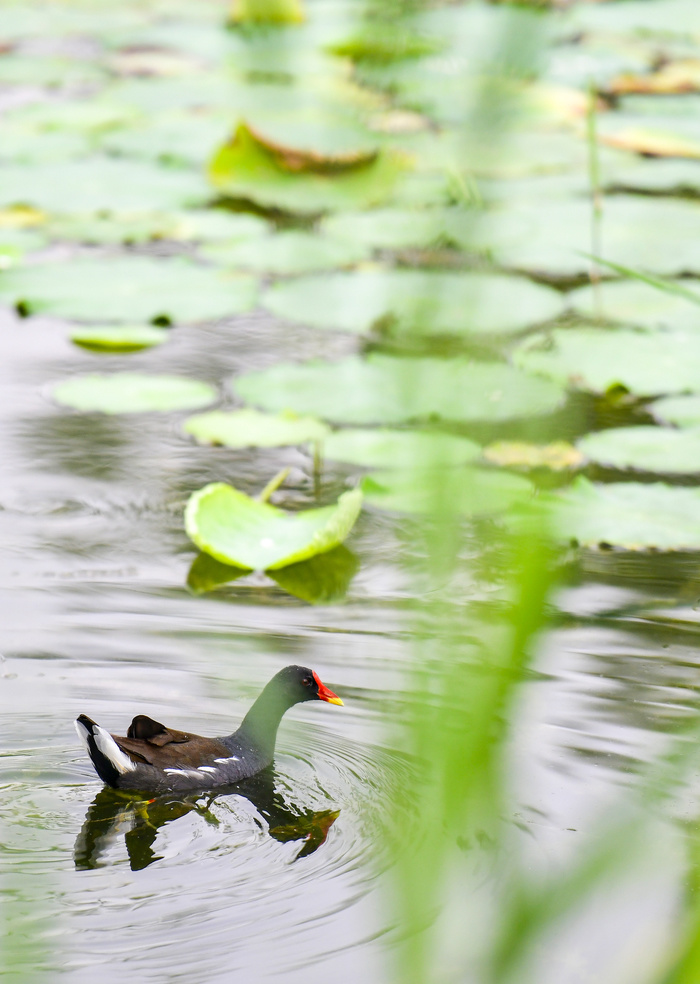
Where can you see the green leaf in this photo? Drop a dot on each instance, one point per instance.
(656, 304)
(126, 339)
(386, 389)
(128, 288)
(243, 168)
(124, 392)
(394, 228)
(101, 184)
(630, 515)
(385, 448)
(550, 238)
(250, 428)
(467, 491)
(683, 411)
(238, 530)
(287, 252)
(598, 359)
(429, 303)
(648, 449)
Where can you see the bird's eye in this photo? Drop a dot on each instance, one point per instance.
(307, 681)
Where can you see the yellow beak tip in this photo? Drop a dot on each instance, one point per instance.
(334, 700)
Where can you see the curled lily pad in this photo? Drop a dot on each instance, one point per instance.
(384, 448)
(646, 364)
(128, 288)
(425, 302)
(628, 514)
(468, 491)
(388, 390)
(110, 339)
(647, 449)
(244, 532)
(125, 392)
(250, 428)
(246, 168)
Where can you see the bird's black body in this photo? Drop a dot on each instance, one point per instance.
(157, 759)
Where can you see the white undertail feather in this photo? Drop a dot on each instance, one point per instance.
(108, 746)
(83, 735)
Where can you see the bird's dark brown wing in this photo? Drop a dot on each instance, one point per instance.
(151, 742)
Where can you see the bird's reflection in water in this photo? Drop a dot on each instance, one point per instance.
(113, 813)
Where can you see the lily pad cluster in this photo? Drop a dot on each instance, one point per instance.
(357, 170)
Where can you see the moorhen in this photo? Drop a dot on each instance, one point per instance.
(156, 759)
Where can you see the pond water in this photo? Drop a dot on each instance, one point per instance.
(282, 881)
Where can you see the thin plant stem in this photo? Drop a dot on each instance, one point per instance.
(596, 198)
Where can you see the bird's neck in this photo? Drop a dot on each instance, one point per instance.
(259, 727)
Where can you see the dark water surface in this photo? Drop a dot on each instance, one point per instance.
(282, 880)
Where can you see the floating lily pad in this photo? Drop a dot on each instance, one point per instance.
(520, 454)
(468, 491)
(287, 252)
(646, 364)
(553, 238)
(124, 339)
(250, 428)
(244, 168)
(238, 530)
(647, 449)
(385, 448)
(630, 515)
(429, 303)
(394, 228)
(683, 411)
(387, 390)
(634, 303)
(124, 392)
(101, 184)
(128, 288)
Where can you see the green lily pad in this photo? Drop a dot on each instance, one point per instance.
(628, 514)
(123, 339)
(128, 288)
(431, 303)
(384, 448)
(252, 429)
(101, 184)
(646, 364)
(243, 168)
(287, 252)
(388, 390)
(125, 392)
(552, 238)
(632, 302)
(467, 491)
(394, 228)
(683, 411)
(648, 449)
(238, 530)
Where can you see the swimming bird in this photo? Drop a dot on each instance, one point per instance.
(158, 759)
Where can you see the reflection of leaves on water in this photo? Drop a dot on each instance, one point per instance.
(319, 580)
(113, 813)
(91, 446)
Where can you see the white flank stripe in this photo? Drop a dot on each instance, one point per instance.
(207, 768)
(233, 758)
(109, 748)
